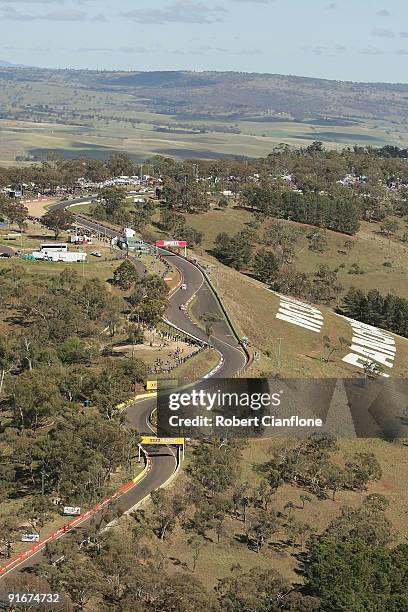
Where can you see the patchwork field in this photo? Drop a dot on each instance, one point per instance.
(100, 139)
(78, 114)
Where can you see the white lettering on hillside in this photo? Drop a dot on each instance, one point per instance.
(369, 345)
(299, 313)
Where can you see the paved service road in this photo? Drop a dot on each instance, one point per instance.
(162, 461)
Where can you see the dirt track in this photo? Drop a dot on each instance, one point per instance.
(37, 207)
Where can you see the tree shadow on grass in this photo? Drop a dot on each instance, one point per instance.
(178, 562)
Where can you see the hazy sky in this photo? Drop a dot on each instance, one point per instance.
(364, 40)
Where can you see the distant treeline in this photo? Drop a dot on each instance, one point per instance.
(386, 311)
(327, 189)
(338, 214)
(196, 128)
(391, 151)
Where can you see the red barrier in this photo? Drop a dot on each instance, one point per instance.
(65, 528)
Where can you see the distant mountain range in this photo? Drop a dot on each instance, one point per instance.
(234, 96)
(5, 64)
(237, 96)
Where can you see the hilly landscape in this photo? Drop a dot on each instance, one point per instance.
(306, 253)
(189, 114)
(203, 306)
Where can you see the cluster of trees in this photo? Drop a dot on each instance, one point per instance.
(56, 323)
(235, 251)
(349, 566)
(14, 211)
(61, 434)
(308, 464)
(120, 570)
(59, 172)
(175, 225)
(353, 576)
(377, 187)
(148, 297)
(321, 286)
(182, 191)
(352, 566)
(217, 494)
(386, 311)
(58, 220)
(274, 266)
(50, 309)
(340, 214)
(113, 206)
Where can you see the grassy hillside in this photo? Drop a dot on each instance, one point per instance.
(217, 558)
(369, 249)
(254, 308)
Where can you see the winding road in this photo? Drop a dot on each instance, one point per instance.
(161, 461)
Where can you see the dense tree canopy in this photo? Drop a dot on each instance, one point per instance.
(387, 311)
(58, 220)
